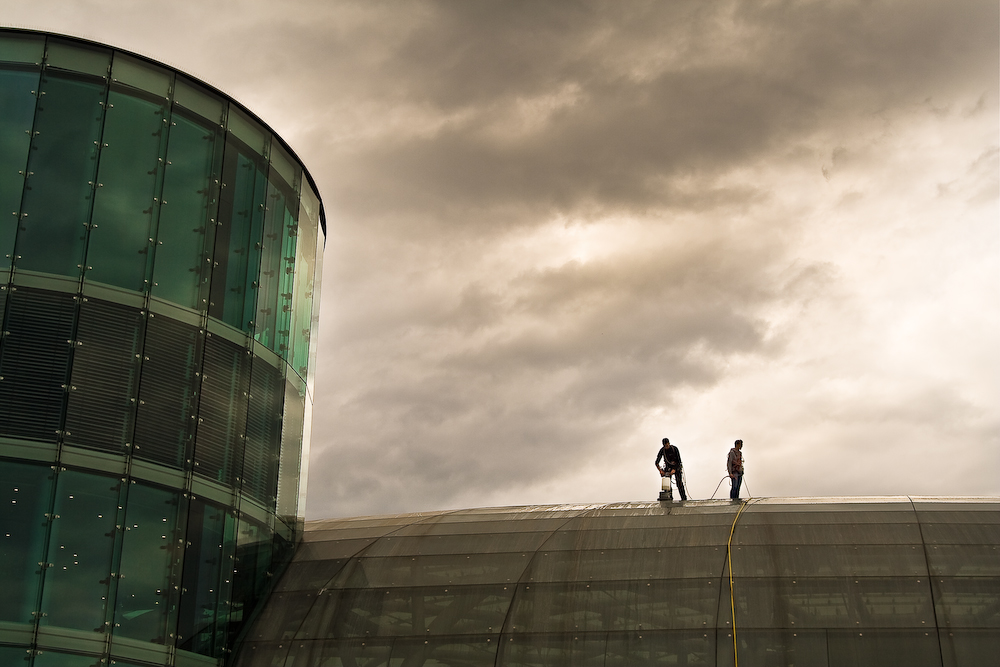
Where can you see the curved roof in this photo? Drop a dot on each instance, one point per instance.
(895, 580)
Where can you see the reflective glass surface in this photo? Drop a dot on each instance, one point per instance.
(24, 515)
(145, 431)
(81, 545)
(186, 227)
(150, 554)
(125, 202)
(62, 167)
(18, 89)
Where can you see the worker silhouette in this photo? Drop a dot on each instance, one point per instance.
(734, 465)
(671, 465)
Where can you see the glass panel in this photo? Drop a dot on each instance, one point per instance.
(168, 391)
(248, 131)
(433, 570)
(283, 614)
(182, 263)
(446, 525)
(208, 572)
(885, 648)
(315, 551)
(16, 656)
(304, 282)
(967, 602)
(310, 575)
(253, 561)
(102, 400)
(263, 654)
(467, 651)
(286, 282)
(260, 465)
(62, 165)
(124, 205)
(829, 560)
(969, 647)
(150, 555)
(35, 363)
(961, 533)
(611, 605)
(358, 653)
(17, 113)
(775, 647)
(284, 166)
(139, 74)
(860, 533)
(638, 538)
(291, 450)
(584, 649)
(674, 647)
(222, 412)
(452, 544)
(317, 289)
(279, 230)
(627, 564)
(398, 612)
(77, 58)
(49, 658)
(17, 48)
(25, 497)
(238, 236)
(81, 547)
(843, 602)
(196, 98)
(966, 560)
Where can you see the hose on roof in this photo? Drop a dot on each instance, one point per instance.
(729, 557)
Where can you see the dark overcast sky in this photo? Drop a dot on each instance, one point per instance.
(560, 231)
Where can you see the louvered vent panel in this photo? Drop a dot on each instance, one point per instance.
(222, 412)
(35, 362)
(105, 377)
(168, 391)
(260, 466)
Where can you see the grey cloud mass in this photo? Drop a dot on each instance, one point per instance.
(560, 231)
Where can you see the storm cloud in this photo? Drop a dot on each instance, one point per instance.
(560, 231)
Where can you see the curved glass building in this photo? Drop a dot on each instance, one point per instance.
(821, 582)
(160, 252)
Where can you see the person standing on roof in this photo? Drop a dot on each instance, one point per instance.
(671, 464)
(735, 467)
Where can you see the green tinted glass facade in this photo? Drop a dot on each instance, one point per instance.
(160, 253)
(820, 582)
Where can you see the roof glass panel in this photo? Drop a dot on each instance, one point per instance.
(886, 533)
(627, 564)
(347, 533)
(961, 533)
(964, 560)
(457, 544)
(638, 538)
(834, 602)
(829, 560)
(333, 549)
(479, 527)
(307, 575)
(967, 602)
(614, 605)
(400, 612)
(433, 570)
